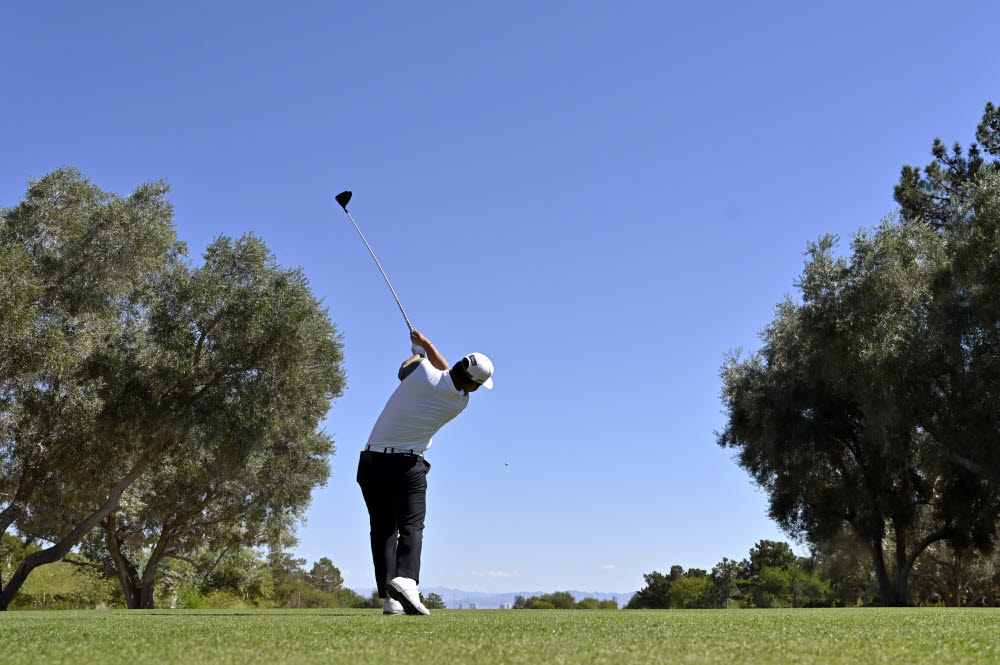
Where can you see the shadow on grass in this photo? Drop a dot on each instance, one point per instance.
(197, 613)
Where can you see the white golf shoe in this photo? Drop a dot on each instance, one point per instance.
(405, 591)
(392, 607)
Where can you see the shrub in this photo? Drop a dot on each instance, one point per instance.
(188, 597)
(223, 600)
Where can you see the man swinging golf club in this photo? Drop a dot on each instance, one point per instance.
(393, 473)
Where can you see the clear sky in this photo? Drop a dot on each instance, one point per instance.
(603, 197)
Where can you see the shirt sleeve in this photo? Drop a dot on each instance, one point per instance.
(408, 368)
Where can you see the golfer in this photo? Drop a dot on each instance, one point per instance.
(393, 473)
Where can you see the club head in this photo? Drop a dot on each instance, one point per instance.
(343, 199)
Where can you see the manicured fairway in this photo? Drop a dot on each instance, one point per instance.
(495, 636)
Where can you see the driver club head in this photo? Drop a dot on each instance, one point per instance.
(343, 199)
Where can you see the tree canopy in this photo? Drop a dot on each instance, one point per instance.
(172, 404)
(872, 404)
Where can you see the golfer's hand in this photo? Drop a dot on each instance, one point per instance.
(419, 339)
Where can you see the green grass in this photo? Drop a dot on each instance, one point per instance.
(740, 637)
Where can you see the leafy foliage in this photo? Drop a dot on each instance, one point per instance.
(873, 402)
(938, 194)
(77, 425)
(433, 601)
(561, 600)
(656, 594)
(175, 406)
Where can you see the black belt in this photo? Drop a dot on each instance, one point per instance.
(393, 451)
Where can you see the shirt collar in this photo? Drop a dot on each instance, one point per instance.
(451, 384)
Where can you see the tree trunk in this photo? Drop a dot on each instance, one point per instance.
(15, 509)
(64, 546)
(139, 589)
(956, 580)
(146, 595)
(127, 574)
(902, 598)
(886, 592)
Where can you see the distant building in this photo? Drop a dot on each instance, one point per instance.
(473, 606)
(508, 606)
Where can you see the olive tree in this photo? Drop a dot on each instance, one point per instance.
(140, 368)
(827, 417)
(249, 463)
(873, 404)
(80, 265)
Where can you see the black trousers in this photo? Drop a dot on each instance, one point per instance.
(395, 491)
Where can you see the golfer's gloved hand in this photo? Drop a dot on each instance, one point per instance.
(418, 350)
(417, 338)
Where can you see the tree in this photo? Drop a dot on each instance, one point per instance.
(19, 291)
(285, 568)
(692, 591)
(372, 602)
(80, 267)
(244, 485)
(936, 196)
(595, 604)
(325, 576)
(959, 577)
(656, 594)
(64, 586)
(243, 573)
(148, 358)
(806, 588)
(770, 587)
(56, 586)
(12, 551)
(559, 600)
(827, 418)
(322, 586)
(724, 575)
(960, 197)
(433, 602)
(768, 554)
(847, 563)
(562, 600)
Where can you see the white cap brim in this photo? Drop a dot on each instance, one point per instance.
(488, 384)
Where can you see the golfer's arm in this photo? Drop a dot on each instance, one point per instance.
(436, 358)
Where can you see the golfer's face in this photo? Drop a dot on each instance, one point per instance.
(471, 386)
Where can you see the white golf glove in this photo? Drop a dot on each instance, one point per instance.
(417, 349)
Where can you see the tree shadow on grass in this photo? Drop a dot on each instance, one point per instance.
(249, 614)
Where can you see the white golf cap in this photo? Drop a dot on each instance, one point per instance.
(480, 369)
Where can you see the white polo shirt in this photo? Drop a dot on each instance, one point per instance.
(421, 405)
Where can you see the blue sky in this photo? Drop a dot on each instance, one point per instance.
(603, 197)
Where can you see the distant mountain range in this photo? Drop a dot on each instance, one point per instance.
(457, 599)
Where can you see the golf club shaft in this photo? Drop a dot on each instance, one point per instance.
(380, 269)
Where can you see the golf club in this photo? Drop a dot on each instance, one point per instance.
(343, 199)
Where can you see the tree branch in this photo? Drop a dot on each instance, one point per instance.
(83, 563)
(204, 335)
(940, 534)
(61, 548)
